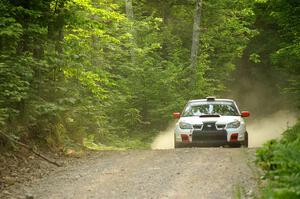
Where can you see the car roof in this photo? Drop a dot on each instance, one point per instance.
(215, 100)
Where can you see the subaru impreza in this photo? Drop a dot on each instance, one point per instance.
(211, 122)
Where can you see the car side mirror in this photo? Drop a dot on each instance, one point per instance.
(176, 115)
(245, 114)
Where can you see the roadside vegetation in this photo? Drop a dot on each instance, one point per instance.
(278, 21)
(280, 159)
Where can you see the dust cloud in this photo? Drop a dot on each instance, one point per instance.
(260, 130)
(271, 127)
(165, 139)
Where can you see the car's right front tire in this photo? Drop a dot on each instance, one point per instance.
(245, 142)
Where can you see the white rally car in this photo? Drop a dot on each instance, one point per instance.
(211, 122)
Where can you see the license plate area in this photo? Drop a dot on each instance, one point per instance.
(215, 135)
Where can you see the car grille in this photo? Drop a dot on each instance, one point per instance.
(209, 126)
(221, 126)
(210, 132)
(220, 136)
(197, 126)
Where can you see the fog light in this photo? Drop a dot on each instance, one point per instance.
(185, 138)
(234, 137)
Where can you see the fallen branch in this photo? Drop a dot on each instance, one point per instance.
(30, 149)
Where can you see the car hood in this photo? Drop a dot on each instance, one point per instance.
(218, 120)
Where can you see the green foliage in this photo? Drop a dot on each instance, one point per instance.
(281, 160)
(81, 73)
(278, 21)
(277, 45)
(255, 58)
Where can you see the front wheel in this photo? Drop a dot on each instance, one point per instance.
(175, 144)
(245, 142)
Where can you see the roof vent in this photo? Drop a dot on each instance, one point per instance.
(211, 98)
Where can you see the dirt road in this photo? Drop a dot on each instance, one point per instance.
(181, 173)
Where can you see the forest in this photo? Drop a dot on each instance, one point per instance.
(109, 73)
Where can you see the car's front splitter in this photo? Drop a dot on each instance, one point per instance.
(206, 143)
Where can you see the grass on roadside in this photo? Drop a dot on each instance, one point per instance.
(280, 159)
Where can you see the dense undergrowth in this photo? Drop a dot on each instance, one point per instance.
(280, 159)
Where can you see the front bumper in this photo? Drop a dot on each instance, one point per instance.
(214, 137)
(211, 143)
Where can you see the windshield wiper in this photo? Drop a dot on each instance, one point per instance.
(210, 116)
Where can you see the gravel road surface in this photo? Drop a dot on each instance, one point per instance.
(214, 173)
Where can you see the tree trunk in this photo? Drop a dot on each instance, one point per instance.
(59, 28)
(196, 34)
(56, 25)
(129, 9)
(130, 16)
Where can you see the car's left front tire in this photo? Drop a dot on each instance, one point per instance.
(176, 145)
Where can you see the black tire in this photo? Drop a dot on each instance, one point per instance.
(245, 142)
(175, 144)
(235, 145)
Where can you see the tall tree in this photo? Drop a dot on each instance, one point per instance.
(196, 34)
(130, 16)
(129, 9)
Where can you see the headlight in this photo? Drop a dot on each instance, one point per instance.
(234, 125)
(184, 125)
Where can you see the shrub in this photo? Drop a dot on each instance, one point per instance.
(281, 161)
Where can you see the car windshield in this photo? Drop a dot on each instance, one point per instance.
(211, 108)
